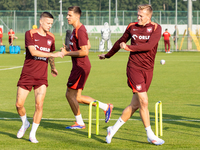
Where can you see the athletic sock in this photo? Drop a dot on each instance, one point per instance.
(24, 120)
(117, 125)
(103, 106)
(33, 130)
(79, 120)
(150, 133)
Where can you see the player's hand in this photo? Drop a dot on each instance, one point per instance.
(59, 54)
(54, 72)
(122, 45)
(102, 56)
(65, 49)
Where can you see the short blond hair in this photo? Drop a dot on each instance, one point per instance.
(147, 7)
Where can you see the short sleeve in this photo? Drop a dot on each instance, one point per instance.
(28, 39)
(82, 38)
(53, 46)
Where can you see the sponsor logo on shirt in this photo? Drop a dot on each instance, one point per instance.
(49, 42)
(134, 36)
(44, 49)
(139, 87)
(36, 40)
(135, 29)
(141, 37)
(149, 29)
(40, 58)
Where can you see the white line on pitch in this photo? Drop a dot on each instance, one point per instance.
(22, 66)
(12, 68)
(57, 119)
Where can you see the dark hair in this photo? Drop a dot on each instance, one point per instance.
(47, 15)
(75, 9)
(165, 29)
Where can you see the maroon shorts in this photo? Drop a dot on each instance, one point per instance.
(27, 82)
(29, 87)
(139, 80)
(77, 78)
(9, 40)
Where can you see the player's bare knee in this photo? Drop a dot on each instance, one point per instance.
(78, 98)
(135, 107)
(19, 105)
(39, 106)
(144, 103)
(68, 95)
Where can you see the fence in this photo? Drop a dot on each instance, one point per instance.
(182, 43)
(21, 21)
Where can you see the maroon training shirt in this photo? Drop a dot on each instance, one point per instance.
(144, 44)
(36, 67)
(79, 38)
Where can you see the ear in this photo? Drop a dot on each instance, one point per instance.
(41, 21)
(78, 16)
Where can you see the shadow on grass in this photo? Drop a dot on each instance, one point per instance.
(55, 125)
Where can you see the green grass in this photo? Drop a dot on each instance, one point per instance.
(176, 84)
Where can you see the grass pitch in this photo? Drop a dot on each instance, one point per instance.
(176, 84)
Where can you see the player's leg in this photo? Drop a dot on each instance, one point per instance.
(40, 93)
(165, 46)
(126, 114)
(109, 45)
(169, 46)
(144, 114)
(1, 41)
(107, 108)
(20, 100)
(71, 95)
(101, 45)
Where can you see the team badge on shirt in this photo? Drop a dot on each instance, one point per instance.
(149, 29)
(49, 42)
(139, 87)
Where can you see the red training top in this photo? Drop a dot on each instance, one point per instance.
(1, 33)
(37, 67)
(144, 44)
(10, 33)
(79, 38)
(166, 35)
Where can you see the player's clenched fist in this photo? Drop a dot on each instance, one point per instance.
(122, 45)
(102, 56)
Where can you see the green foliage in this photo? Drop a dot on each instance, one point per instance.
(101, 5)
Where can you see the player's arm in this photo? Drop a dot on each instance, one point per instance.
(149, 45)
(37, 53)
(89, 45)
(29, 43)
(54, 72)
(65, 50)
(84, 51)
